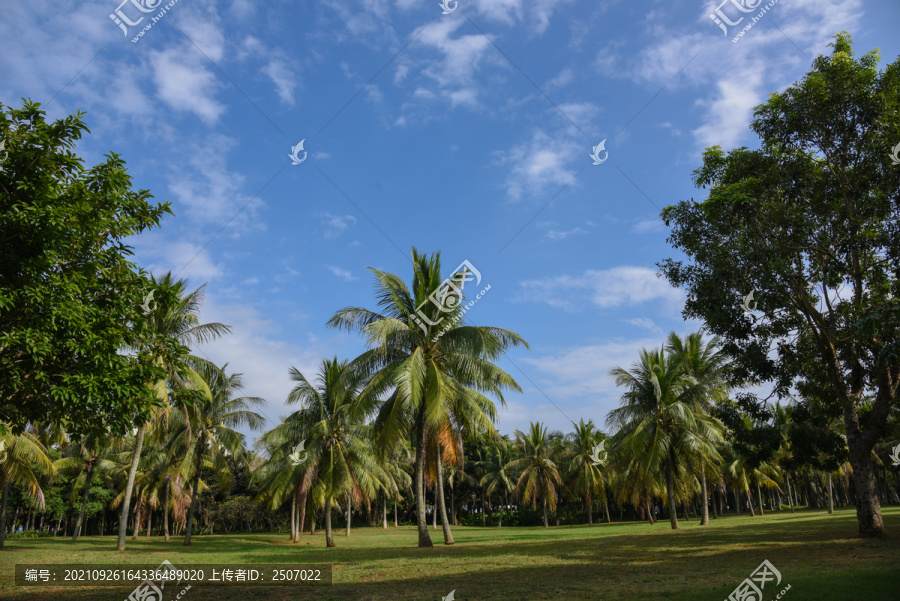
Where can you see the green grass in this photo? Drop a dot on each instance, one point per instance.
(816, 554)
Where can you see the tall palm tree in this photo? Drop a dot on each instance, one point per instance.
(210, 425)
(340, 456)
(540, 476)
(434, 368)
(174, 317)
(86, 459)
(660, 421)
(708, 366)
(25, 460)
(585, 473)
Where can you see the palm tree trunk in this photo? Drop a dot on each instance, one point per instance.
(294, 519)
(649, 502)
(421, 520)
(84, 499)
(190, 516)
(165, 508)
(6, 483)
(762, 511)
(384, 512)
(546, 525)
(349, 508)
(670, 490)
(737, 502)
(830, 495)
(329, 536)
(136, 525)
(790, 493)
(589, 509)
(750, 501)
(704, 495)
(439, 487)
(606, 507)
(149, 519)
(482, 509)
(129, 487)
(396, 523)
(301, 506)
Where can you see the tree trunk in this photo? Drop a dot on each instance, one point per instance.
(830, 495)
(650, 517)
(670, 490)
(737, 502)
(868, 509)
(790, 493)
(750, 503)
(439, 488)
(704, 496)
(759, 494)
(129, 487)
(349, 509)
(294, 519)
(136, 525)
(421, 520)
(329, 536)
(546, 525)
(84, 499)
(190, 516)
(396, 523)
(606, 507)
(384, 511)
(165, 509)
(3, 503)
(589, 509)
(149, 519)
(301, 507)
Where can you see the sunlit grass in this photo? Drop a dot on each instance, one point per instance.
(816, 553)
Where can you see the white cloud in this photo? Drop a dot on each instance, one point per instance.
(649, 226)
(185, 83)
(607, 288)
(284, 79)
(538, 165)
(728, 113)
(336, 224)
(562, 235)
(342, 273)
(645, 323)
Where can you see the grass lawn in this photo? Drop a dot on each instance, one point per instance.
(815, 553)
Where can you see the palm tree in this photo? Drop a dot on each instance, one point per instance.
(434, 369)
(540, 476)
(584, 472)
(24, 461)
(341, 461)
(173, 318)
(496, 479)
(210, 425)
(85, 460)
(708, 366)
(660, 420)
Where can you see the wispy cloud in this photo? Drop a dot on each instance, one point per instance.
(335, 225)
(342, 273)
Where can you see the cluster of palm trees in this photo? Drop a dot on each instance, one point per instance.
(411, 415)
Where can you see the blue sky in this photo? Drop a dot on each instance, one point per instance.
(467, 133)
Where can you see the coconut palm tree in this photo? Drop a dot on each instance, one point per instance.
(23, 460)
(660, 420)
(708, 367)
(539, 477)
(340, 458)
(434, 368)
(496, 479)
(174, 317)
(86, 459)
(585, 472)
(210, 424)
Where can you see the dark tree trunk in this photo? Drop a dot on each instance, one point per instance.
(329, 536)
(670, 490)
(3, 503)
(193, 508)
(830, 495)
(84, 499)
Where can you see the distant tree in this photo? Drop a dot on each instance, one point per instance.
(69, 296)
(809, 223)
